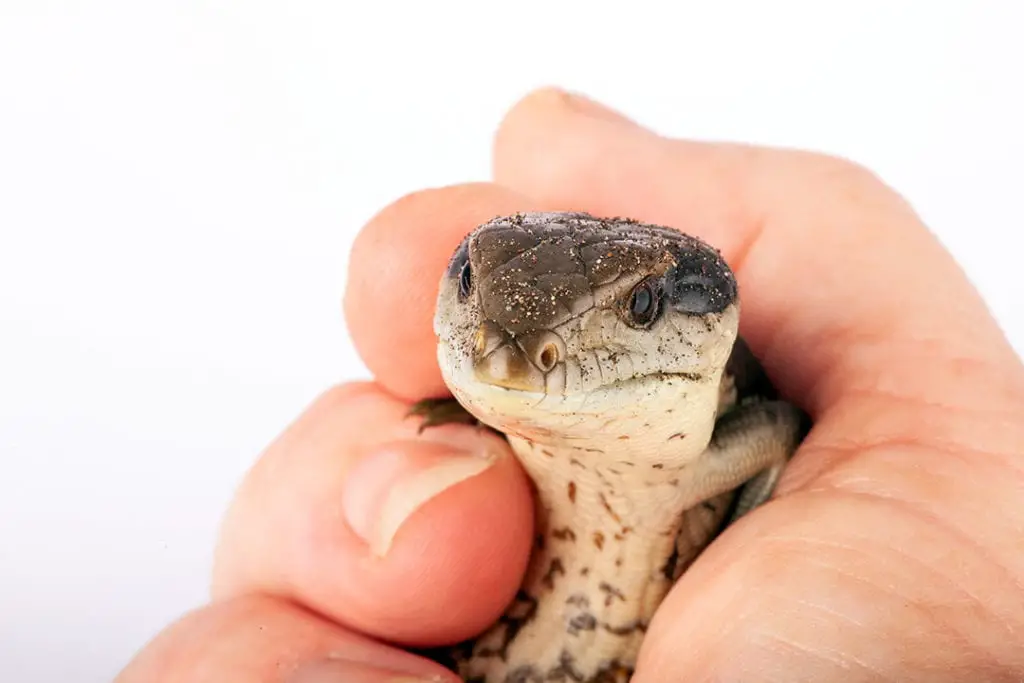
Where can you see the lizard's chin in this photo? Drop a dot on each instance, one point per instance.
(625, 412)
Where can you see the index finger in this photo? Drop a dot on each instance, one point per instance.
(395, 269)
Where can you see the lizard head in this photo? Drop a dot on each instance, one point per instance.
(555, 326)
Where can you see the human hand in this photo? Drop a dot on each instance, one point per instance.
(892, 551)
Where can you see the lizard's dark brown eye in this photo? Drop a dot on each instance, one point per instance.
(465, 279)
(644, 304)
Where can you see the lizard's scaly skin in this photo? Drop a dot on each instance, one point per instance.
(636, 429)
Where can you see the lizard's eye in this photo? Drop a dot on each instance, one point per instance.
(465, 279)
(644, 303)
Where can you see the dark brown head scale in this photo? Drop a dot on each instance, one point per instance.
(534, 268)
(528, 272)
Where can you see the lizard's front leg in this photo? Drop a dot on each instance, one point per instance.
(749, 448)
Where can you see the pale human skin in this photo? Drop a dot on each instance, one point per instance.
(893, 550)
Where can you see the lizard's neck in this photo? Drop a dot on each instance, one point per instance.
(604, 558)
(610, 509)
(603, 561)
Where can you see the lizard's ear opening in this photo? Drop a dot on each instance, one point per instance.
(698, 297)
(701, 282)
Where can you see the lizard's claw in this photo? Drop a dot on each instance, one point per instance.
(440, 411)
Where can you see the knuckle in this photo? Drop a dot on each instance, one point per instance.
(836, 180)
(843, 171)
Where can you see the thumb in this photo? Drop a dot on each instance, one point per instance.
(419, 539)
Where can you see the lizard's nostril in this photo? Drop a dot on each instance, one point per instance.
(548, 357)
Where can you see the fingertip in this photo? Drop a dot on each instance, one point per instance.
(415, 538)
(395, 268)
(548, 107)
(456, 561)
(388, 485)
(539, 133)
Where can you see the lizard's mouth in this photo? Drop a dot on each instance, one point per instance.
(567, 363)
(542, 408)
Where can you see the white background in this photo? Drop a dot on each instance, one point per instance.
(180, 182)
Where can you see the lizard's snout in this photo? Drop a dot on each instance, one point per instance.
(523, 363)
